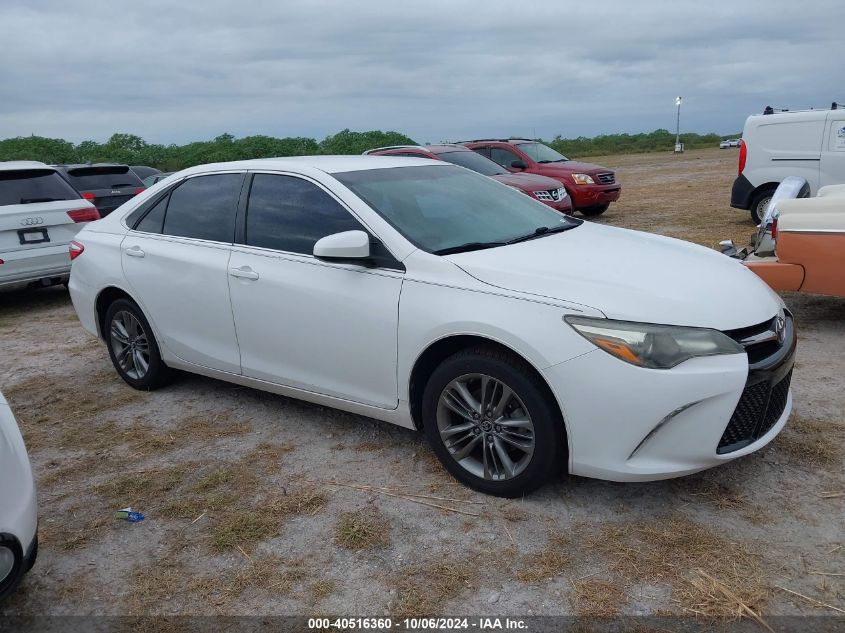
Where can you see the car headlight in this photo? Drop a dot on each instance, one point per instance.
(583, 179)
(650, 345)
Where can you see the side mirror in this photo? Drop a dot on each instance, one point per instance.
(346, 245)
(519, 164)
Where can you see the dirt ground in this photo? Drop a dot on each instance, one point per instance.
(243, 517)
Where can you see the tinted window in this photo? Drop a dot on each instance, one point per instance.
(291, 214)
(473, 161)
(542, 153)
(111, 177)
(503, 156)
(33, 185)
(204, 208)
(154, 220)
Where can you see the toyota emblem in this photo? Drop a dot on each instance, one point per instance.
(32, 221)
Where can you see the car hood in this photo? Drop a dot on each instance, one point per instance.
(629, 275)
(574, 167)
(530, 182)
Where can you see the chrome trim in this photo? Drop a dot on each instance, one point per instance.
(661, 424)
(811, 231)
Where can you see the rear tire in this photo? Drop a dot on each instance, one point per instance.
(759, 204)
(492, 423)
(594, 211)
(132, 347)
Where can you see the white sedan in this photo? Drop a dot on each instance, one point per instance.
(18, 515)
(423, 294)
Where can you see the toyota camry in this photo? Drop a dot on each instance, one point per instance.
(522, 342)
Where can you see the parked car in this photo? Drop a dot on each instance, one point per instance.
(809, 144)
(18, 511)
(522, 341)
(40, 214)
(730, 142)
(143, 171)
(809, 244)
(591, 187)
(149, 181)
(105, 185)
(546, 190)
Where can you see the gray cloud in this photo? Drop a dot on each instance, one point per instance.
(436, 70)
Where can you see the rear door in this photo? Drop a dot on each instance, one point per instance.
(106, 186)
(832, 170)
(176, 258)
(39, 215)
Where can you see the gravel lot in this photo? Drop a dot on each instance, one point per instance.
(242, 517)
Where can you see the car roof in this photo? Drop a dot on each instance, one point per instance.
(19, 165)
(328, 164)
(509, 141)
(84, 165)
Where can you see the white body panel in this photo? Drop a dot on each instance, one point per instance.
(348, 336)
(808, 144)
(18, 509)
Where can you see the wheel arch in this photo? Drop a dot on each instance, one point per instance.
(438, 351)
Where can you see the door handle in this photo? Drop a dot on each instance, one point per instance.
(244, 272)
(135, 251)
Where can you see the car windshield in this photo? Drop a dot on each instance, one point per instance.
(28, 186)
(441, 208)
(542, 153)
(475, 162)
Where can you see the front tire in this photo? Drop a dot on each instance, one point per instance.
(594, 211)
(492, 423)
(132, 347)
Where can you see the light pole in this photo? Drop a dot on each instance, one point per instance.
(678, 126)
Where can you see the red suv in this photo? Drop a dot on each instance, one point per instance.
(591, 187)
(546, 190)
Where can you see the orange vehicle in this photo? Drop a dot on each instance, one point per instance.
(809, 237)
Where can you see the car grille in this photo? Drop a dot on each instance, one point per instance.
(607, 178)
(552, 195)
(759, 408)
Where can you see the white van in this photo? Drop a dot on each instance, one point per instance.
(808, 143)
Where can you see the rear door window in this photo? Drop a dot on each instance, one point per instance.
(33, 185)
(153, 221)
(286, 213)
(204, 208)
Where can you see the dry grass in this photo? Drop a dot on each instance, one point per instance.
(548, 563)
(267, 456)
(193, 506)
(156, 585)
(243, 528)
(598, 598)
(74, 531)
(812, 443)
(722, 497)
(423, 589)
(363, 529)
(670, 551)
(321, 589)
(304, 501)
(143, 488)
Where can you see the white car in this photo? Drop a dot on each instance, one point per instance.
(424, 294)
(40, 213)
(18, 514)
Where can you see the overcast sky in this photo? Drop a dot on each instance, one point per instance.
(434, 69)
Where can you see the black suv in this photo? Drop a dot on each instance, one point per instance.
(105, 185)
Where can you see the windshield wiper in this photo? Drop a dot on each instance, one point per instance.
(558, 160)
(541, 231)
(31, 200)
(469, 246)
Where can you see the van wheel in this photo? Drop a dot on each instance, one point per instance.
(594, 211)
(492, 423)
(759, 204)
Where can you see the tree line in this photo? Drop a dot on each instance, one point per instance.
(133, 150)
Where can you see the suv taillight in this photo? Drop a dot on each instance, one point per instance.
(139, 190)
(88, 214)
(88, 195)
(743, 154)
(76, 249)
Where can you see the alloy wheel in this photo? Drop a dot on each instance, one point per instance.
(130, 345)
(485, 427)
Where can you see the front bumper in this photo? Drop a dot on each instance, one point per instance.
(564, 206)
(593, 195)
(658, 423)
